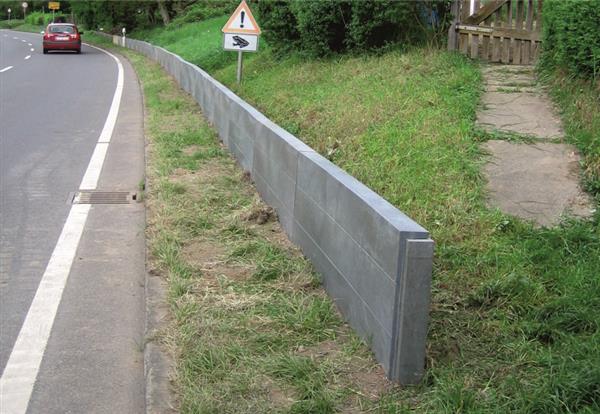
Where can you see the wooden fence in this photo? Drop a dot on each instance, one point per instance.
(506, 31)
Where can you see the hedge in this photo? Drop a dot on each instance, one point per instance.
(320, 27)
(571, 36)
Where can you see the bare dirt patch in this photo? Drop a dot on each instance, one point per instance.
(365, 379)
(371, 381)
(191, 150)
(280, 398)
(203, 254)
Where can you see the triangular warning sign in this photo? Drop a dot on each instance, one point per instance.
(242, 21)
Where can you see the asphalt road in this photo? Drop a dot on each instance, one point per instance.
(52, 111)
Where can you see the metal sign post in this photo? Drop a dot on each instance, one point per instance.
(9, 10)
(239, 67)
(241, 33)
(54, 5)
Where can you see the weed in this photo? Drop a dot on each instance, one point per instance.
(483, 135)
(309, 382)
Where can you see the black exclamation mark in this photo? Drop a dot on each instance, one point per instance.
(242, 16)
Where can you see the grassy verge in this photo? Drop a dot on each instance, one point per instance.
(200, 43)
(579, 101)
(515, 313)
(252, 331)
(21, 26)
(6, 24)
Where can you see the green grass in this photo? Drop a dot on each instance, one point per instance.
(515, 309)
(579, 102)
(6, 24)
(201, 43)
(21, 25)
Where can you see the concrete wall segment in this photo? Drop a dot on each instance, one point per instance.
(360, 270)
(414, 295)
(375, 261)
(348, 301)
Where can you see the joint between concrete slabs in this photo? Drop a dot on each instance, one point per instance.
(348, 235)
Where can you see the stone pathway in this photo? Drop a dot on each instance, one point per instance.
(537, 181)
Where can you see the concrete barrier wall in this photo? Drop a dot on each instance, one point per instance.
(375, 261)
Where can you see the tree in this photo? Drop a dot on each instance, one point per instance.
(164, 13)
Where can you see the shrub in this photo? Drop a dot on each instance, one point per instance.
(375, 23)
(279, 25)
(572, 36)
(321, 27)
(202, 10)
(35, 18)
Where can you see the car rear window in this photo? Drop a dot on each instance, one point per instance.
(62, 29)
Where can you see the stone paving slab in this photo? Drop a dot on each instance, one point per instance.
(513, 103)
(537, 182)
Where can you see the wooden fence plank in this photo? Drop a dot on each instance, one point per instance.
(452, 34)
(486, 40)
(538, 29)
(475, 39)
(483, 13)
(506, 42)
(529, 27)
(534, 44)
(464, 37)
(500, 32)
(518, 26)
(496, 40)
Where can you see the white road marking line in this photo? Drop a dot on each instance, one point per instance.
(95, 167)
(106, 133)
(21, 370)
(6, 68)
(23, 40)
(29, 44)
(20, 373)
(16, 38)
(27, 57)
(32, 49)
(93, 172)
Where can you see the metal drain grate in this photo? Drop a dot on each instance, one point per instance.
(103, 197)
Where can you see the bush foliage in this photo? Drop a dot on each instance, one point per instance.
(203, 10)
(43, 19)
(321, 27)
(572, 36)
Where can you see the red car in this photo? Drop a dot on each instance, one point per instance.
(62, 36)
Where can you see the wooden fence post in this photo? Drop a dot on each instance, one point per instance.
(452, 35)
